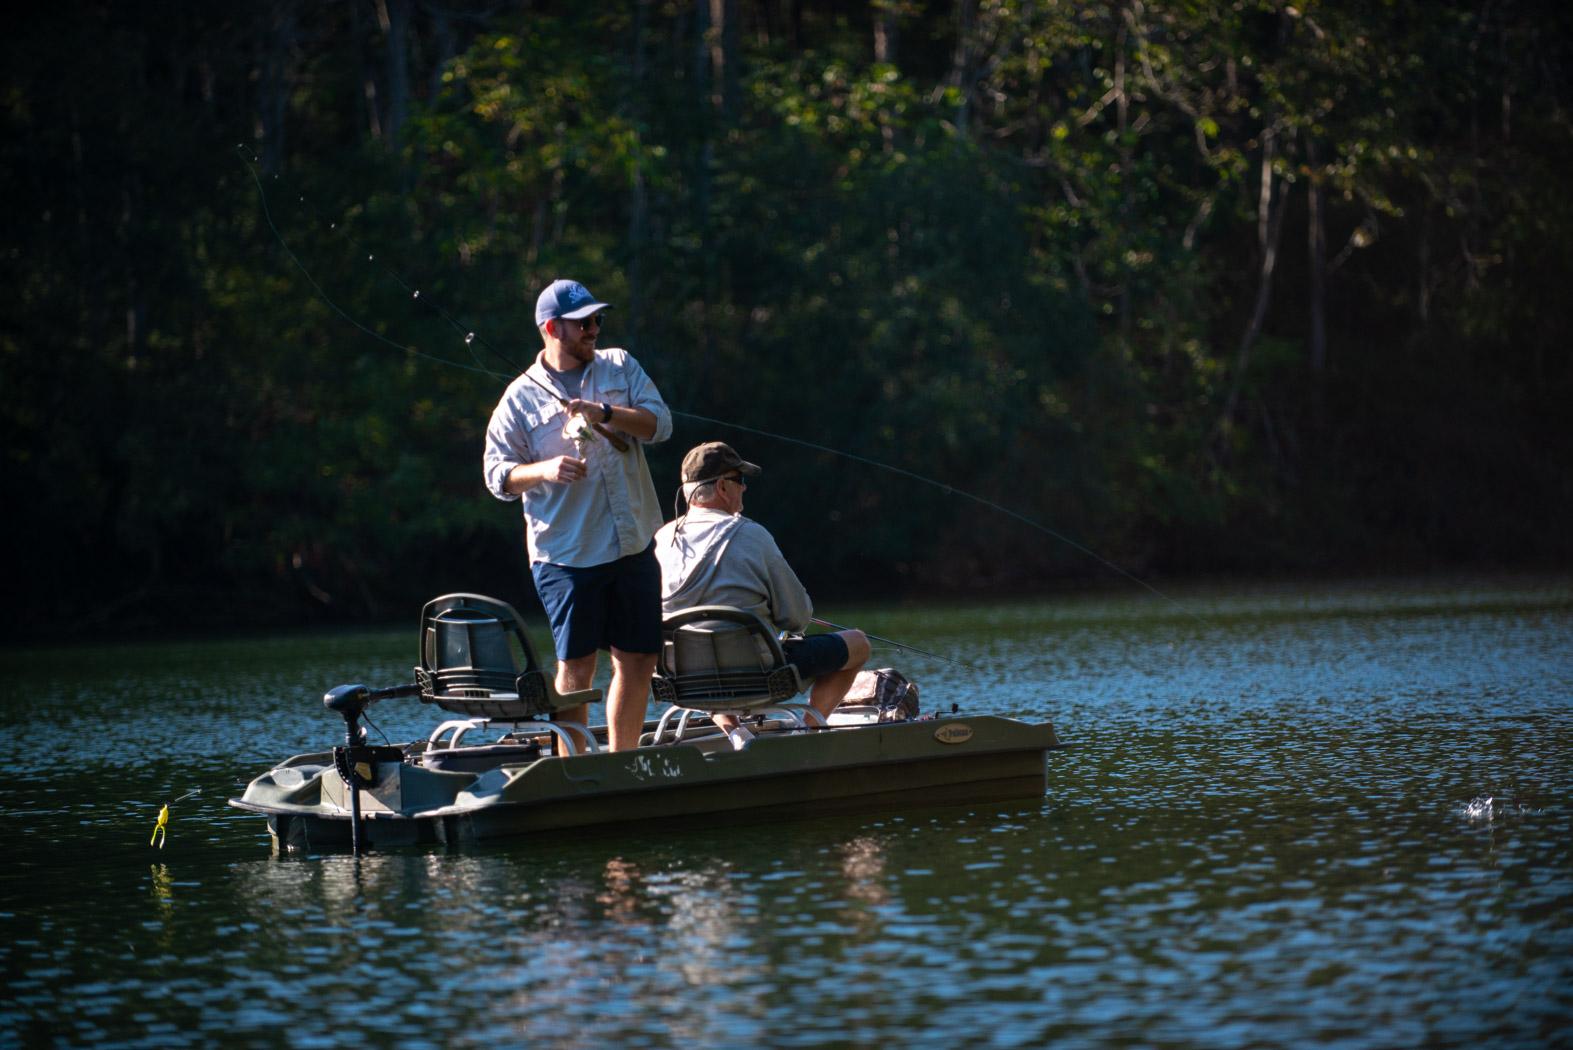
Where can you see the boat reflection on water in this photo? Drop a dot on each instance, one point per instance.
(576, 912)
(863, 865)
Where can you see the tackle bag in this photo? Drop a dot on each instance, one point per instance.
(887, 691)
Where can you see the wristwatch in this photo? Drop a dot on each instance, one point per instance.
(606, 409)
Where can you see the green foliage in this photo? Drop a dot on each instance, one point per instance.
(1021, 256)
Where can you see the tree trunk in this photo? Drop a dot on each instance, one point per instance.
(701, 75)
(1316, 269)
(396, 24)
(368, 80)
(1269, 227)
(961, 70)
(273, 84)
(638, 204)
(442, 34)
(704, 160)
(886, 32)
(1122, 113)
(723, 58)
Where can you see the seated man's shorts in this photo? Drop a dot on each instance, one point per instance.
(816, 655)
(616, 605)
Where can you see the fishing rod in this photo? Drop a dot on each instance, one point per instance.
(617, 442)
(470, 339)
(892, 641)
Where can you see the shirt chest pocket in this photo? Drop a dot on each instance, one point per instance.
(613, 392)
(543, 424)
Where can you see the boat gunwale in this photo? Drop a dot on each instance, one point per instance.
(713, 762)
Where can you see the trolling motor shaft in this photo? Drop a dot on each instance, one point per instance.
(350, 702)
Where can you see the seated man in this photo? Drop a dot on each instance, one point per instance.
(712, 555)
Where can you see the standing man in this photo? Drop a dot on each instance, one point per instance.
(712, 555)
(589, 508)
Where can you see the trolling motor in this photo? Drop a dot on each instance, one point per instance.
(354, 755)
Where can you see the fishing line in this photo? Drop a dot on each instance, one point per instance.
(471, 338)
(901, 646)
(949, 490)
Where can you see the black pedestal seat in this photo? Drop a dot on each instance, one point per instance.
(477, 661)
(719, 659)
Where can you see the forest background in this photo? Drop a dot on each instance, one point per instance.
(1233, 287)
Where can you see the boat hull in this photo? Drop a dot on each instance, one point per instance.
(936, 761)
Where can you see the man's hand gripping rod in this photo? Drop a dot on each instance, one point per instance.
(618, 443)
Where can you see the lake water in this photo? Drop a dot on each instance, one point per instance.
(1332, 815)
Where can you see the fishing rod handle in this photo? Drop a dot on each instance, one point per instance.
(618, 443)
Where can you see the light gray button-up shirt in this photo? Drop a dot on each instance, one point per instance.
(611, 512)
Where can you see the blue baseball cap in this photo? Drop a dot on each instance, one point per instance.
(568, 299)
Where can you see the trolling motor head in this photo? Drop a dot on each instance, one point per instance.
(350, 702)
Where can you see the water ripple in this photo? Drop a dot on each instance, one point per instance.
(1333, 817)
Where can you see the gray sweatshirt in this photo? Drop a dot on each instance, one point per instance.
(717, 558)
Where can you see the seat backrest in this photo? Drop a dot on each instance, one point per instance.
(714, 645)
(721, 658)
(476, 659)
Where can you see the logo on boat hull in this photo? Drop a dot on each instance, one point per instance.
(955, 733)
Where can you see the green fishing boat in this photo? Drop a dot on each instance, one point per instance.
(498, 765)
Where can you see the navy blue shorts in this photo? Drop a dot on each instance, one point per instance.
(603, 606)
(818, 654)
